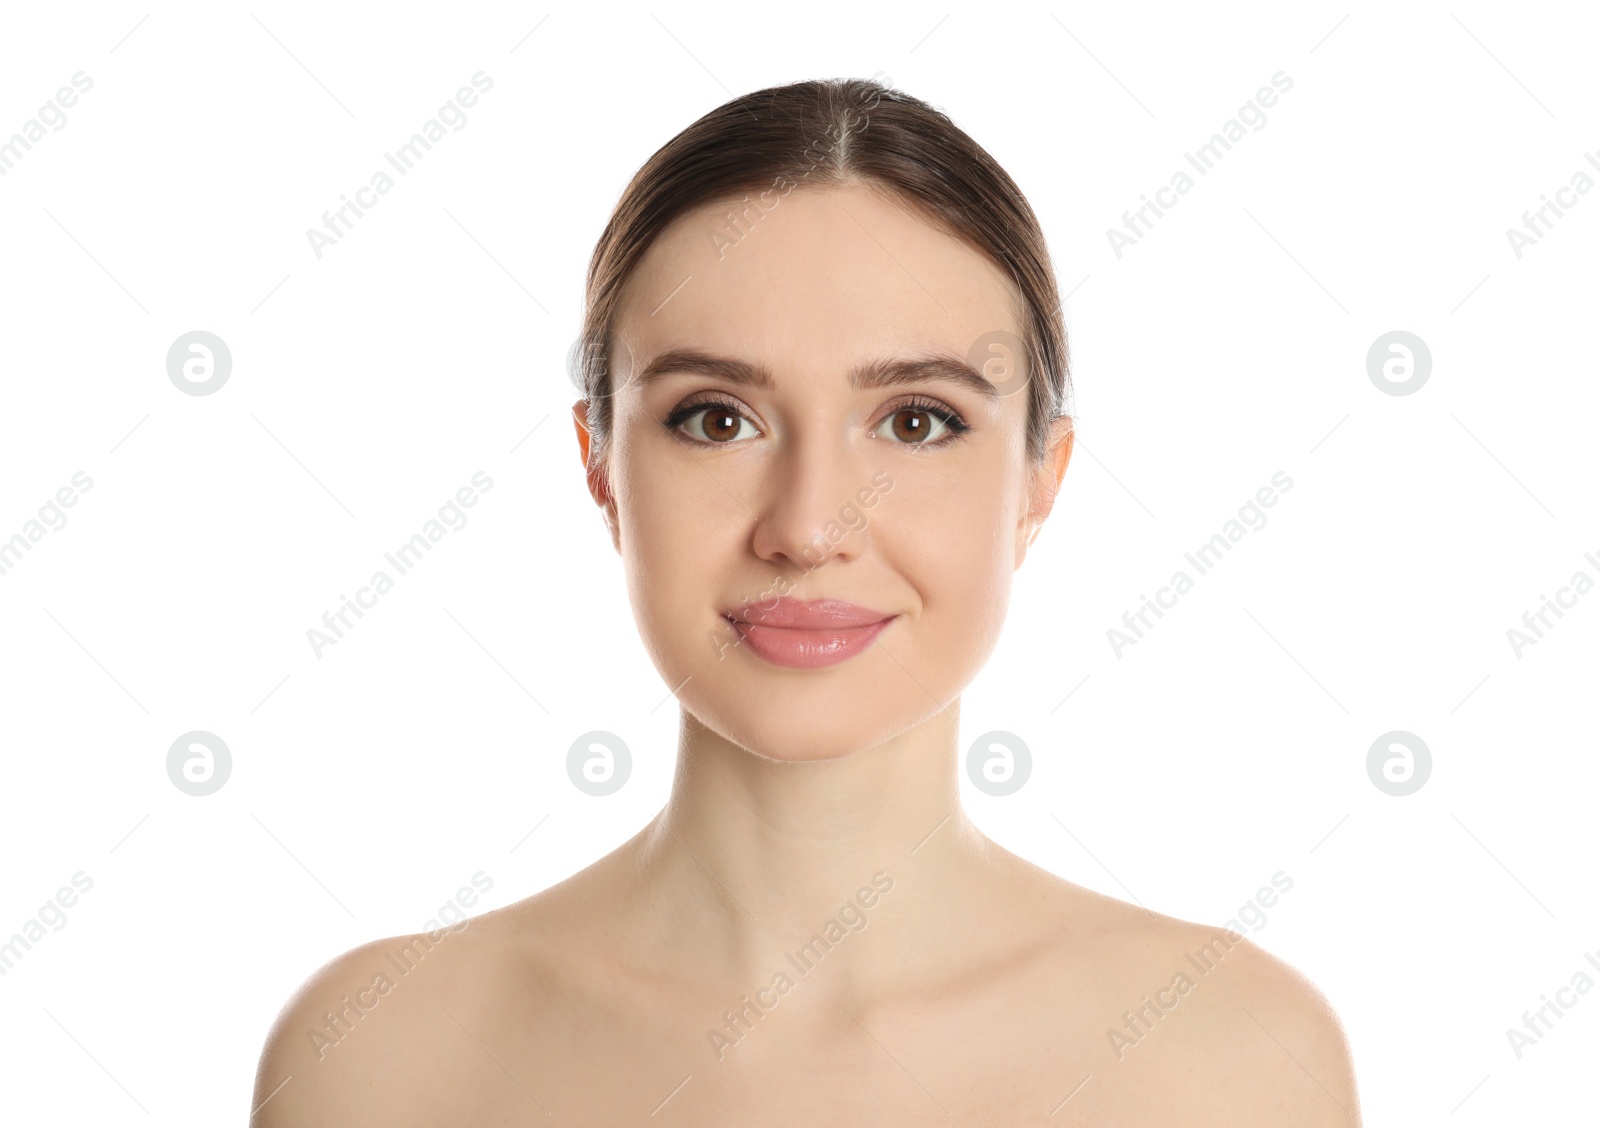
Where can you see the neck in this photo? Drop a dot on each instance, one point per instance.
(759, 856)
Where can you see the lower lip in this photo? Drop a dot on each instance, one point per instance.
(809, 648)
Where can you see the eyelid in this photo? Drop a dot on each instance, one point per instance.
(921, 401)
(954, 422)
(687, 410)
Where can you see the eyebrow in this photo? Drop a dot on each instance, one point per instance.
(883, 373)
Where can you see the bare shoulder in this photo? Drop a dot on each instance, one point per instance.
(1234, 1034)
(1260, 1040)
(1289, 1049)
(389, 1032)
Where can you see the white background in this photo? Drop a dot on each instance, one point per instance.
(367, 386)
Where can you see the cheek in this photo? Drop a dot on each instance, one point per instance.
(980, 581)
(952, 540)
(677, 539)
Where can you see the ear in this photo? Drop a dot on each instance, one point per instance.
(1044, 485)
(595, 476)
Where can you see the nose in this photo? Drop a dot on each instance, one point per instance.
(808, 514)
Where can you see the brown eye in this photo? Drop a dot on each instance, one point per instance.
(915, 426)
(720, 426)
(716, 423)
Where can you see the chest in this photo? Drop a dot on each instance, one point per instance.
(765, 1060)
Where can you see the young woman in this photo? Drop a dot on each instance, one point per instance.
(826, 412)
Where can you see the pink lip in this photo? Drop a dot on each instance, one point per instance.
(807, 634)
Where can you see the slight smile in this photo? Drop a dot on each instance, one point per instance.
(807, 634)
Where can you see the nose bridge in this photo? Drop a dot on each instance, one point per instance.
(808, 487)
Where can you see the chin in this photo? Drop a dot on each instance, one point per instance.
(799, 724)
(795, 743)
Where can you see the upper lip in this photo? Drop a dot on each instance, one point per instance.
(806, 613)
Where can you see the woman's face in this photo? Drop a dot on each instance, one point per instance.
(731, 498)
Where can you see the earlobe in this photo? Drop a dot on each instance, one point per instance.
(609, 512)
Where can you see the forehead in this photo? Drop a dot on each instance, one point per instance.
(812, 282)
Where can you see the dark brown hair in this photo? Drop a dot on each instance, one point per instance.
(822, 134)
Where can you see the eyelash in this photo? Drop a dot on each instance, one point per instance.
(955, 425)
